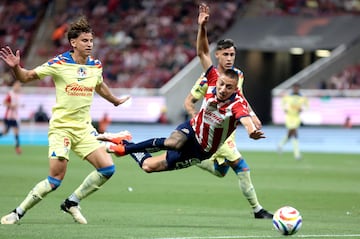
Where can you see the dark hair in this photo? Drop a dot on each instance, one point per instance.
(225, 44)
(80, 26)
(232, 74)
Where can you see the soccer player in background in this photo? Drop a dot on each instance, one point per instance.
(11, 117)
(228, 155)
(76, 76)
(293, 104)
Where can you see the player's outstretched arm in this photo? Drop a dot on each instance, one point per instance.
(251, 129)
(189, 105)
(202, 43)
(104, 91)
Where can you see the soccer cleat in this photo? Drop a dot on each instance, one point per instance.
(11, 218)
(263, 214)
(18, 150)
(117, 149)
(74, 210)
(115, 138)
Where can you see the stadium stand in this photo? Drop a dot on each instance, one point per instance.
(150, 40)
(19, 21)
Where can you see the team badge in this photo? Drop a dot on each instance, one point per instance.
(81, 73)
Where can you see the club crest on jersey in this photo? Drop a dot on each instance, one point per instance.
(81, 73)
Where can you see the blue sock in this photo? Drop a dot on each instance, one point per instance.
(150, 145)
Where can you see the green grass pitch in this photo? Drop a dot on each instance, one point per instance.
(187, 204)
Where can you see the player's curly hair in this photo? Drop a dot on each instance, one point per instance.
(77, 27)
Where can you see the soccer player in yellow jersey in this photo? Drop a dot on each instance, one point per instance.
(293, 104)
(76, 76)
(228, 155)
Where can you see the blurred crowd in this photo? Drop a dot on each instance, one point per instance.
(311, 7)
(142, 43)
(347, 79)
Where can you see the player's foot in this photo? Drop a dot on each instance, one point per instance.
(117, 149)
(18, 150)
(74, 210)
(11, 218)
(115, 138)
(298, 157)
(279, 149)
(263, 214)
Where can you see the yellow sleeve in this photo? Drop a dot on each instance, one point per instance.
(200, 87)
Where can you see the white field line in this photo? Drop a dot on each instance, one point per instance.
(241, 237)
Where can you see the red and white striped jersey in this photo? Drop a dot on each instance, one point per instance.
(216, 120)
(12, 100)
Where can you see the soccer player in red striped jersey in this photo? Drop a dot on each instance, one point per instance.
(222, 110)
(228, 155)
(11, 118)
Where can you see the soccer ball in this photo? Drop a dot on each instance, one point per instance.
(287, 220)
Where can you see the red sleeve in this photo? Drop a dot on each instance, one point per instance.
(212, 74)
(7, 100)
(240, 109)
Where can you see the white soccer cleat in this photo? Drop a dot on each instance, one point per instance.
(76, 214)
(115, 138)
(74, 211)
(11, 218)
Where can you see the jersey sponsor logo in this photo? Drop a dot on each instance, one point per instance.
(75, 89)
(210, 116)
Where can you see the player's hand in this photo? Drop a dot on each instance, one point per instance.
(7, 55)
(121, 100)
(204, 12)
(257, 134)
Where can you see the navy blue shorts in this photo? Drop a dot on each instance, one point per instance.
(11, 123)
(191, 153)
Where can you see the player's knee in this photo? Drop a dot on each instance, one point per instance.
(221, 169)
(107, 172)
(240, 165)
(149, 167)
(54, 182)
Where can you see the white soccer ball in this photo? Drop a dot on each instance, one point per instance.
(287, 220)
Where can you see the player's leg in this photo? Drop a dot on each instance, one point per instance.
(17, 140)
(283, 141)
(6, 128)
(154, 163)
(41, 189)
(216, 164)
(95, 153)
(295, 143)
(229, 154)
(242, 171)
(213, 167)
(290, 123)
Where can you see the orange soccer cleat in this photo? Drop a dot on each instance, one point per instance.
(115, 138)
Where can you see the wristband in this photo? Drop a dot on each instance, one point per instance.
(252, 113)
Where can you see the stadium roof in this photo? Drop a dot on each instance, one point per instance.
(277, 33)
